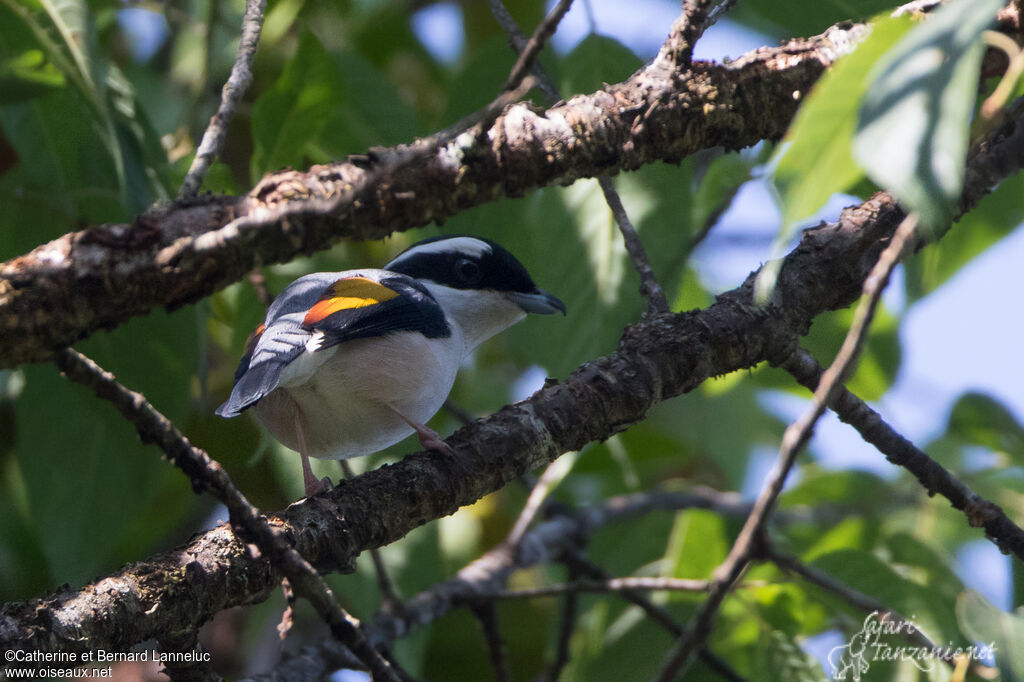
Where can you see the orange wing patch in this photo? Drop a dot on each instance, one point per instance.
(346, 294)
(250, 343)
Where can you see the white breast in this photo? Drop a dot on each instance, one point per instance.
(343, 405)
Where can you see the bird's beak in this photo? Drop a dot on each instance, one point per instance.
(539, 302)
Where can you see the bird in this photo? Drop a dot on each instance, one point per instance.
(348, 363)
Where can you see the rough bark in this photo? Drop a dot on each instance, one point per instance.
(99, 277)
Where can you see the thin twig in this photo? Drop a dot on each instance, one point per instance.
(532, 49)
(517, 41)
(487, 614)
(658, 614)
(650, 289)
(649, 584)
(288, 616)
(259, 285)
(567, 625)
(980, 512)
(545, 543)
(717, 12)
(552, 476)
(865, 603)
(207, 475)
(231, 95)
(191, 668)
(461, 414)
(793, 441)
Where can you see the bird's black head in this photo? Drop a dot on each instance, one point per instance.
(474, 263)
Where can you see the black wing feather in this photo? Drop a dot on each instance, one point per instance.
(414, 309)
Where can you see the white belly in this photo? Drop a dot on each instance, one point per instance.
(343, 408)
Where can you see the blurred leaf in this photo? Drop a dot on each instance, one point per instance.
(374, 116)
(477, 82)
(869, 575)
(924, 561)
(717, 185)
(324, 107)
(913, 128)
(818, 487)
(877, 366)
(615, 643)
(1004, 632)
(782, 655)
(996, 215)
(982, 420)
(852, 531)
(95, 455)
(696, 546)
(815, 156)
(623, 548)
(596, 61)
(803, 17)
(879, 360)
(27, 75)
(292, 114)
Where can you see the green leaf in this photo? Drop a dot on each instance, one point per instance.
(818, 487)
(869, 575)
(27, 75)
(74, 449)
(376, 116)
(325, 106)
(595, 61)
(998, 214)
(816, 159)
(913, 130)
(878, 364)
(717, 186)
(983, 622)
(803, 17)
(292, 114)
(783, 656)
(696, 546)
(979, 419)
(880, 359)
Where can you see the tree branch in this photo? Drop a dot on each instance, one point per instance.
(544, 544)
(232, 93)
(935, 478)
(173, 255)
(657, 359)
(207, 475)
(795, 438)
(650, 289)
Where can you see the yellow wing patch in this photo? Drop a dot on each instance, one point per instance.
(346, 294)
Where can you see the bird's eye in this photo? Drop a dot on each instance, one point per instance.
(467, 270)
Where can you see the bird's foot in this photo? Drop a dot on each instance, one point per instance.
(430, 440)
(315, 486)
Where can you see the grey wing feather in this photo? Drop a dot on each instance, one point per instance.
(260, 371)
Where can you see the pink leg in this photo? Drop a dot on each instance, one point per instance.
(313, 486)
(428, 436)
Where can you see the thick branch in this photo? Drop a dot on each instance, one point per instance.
(657, 359)
(206, 474)
(102, 276)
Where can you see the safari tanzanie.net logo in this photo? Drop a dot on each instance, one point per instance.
(884, 637)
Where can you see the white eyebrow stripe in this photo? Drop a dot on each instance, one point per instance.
(467, 245)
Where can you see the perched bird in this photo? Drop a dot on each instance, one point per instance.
(348, 363)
